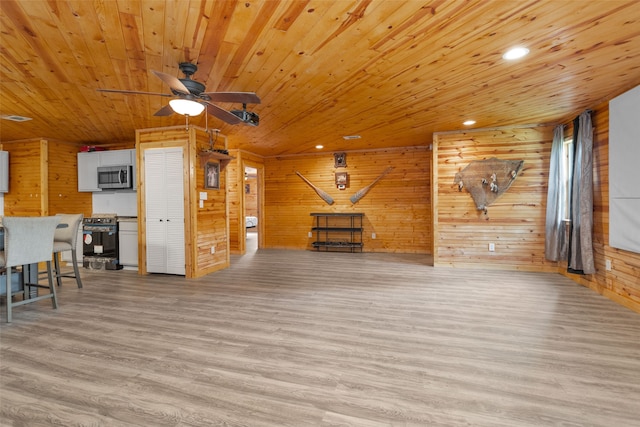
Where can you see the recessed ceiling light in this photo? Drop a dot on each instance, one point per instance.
(515, 53)
(15, 118)
(319, 147)
(351, 137)
(469, 122)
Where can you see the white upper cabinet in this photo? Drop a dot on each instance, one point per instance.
(117, 157)
(88, 172)
(88, 163)
(4, 171)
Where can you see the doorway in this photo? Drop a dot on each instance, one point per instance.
(251, 209)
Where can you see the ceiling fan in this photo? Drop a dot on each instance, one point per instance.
(191, 99)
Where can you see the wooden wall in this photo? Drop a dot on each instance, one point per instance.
(63, 181)
(211, 225)
(234, 200)
(622, 283)
(44, 179)
(397, 209)
(27, 194)
(205, 227)
(515, 223)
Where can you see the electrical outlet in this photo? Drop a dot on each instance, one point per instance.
(492, 247)
(310, 234)
(213, 249)
(607, 264)
(373, 235)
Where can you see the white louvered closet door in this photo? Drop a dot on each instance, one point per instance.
(164, 200)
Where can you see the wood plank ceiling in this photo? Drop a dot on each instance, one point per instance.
(392, 72)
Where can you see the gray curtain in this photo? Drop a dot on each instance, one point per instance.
(555, 244)
(580, 240)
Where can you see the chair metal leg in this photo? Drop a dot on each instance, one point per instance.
(26, 290)
(76, 271)
(56, 262)
(9, 295)
(52, 288)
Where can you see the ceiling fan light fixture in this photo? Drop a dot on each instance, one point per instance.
(186, 107)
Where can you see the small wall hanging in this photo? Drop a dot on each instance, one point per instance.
(342, 179)
(488, 179)
(340, 160)
(212, 175)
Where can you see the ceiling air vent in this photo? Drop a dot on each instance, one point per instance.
(348, 137)
(14, 118)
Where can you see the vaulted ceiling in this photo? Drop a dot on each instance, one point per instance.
(392, 72)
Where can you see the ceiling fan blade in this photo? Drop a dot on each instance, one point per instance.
(164, 111)
(133, 92)
(238, 97)
(223, 114)
(173, 82)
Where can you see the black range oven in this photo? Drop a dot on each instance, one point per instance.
(100, 237)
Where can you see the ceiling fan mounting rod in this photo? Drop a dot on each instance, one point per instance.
(188, 69)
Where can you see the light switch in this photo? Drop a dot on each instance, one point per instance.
(201, 203)
(203, 196)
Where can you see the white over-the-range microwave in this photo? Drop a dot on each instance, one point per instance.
(115, 177)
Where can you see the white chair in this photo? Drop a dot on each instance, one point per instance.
(65, 239)
(28, 240)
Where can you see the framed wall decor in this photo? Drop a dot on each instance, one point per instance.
(212, 176)
(341, 180)
(340, 160)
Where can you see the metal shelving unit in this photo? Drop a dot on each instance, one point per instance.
(338, 231)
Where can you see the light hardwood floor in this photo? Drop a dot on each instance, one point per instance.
(299, 338)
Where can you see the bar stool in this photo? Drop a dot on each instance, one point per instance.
(65, 239)
(28, 240)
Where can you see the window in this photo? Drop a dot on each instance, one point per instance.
(567, 176)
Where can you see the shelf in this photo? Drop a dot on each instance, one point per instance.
(336, 244)
(206, 156)
(338, 231)
(336, 214)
